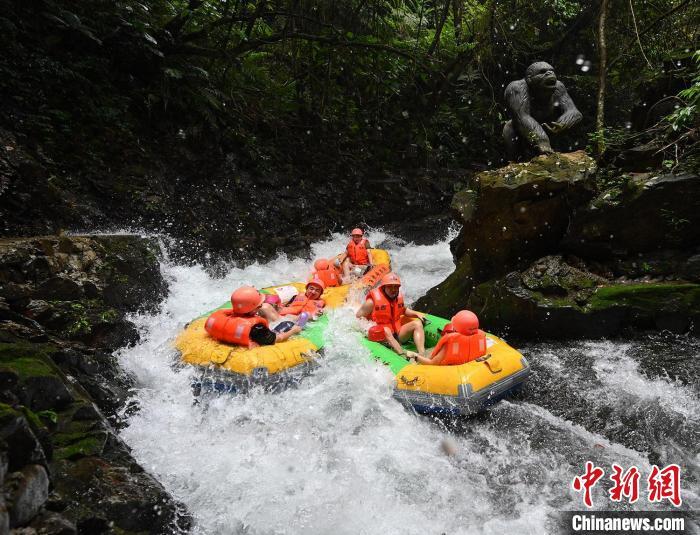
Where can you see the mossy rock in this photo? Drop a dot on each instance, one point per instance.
(673, 297)
(77, 445)
(641, 214)
(517, 213)
(575, 309)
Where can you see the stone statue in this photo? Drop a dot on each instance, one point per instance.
(537, 102)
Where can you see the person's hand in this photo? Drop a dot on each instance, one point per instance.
(411, 355)
(295, 330)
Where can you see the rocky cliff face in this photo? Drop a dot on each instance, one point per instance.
(63, 302)
(556, 248)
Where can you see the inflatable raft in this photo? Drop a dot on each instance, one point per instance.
(461, 390)
(228, 368)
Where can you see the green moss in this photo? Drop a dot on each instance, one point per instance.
(684, 297)
(7, 411)
(26, 359)
(87, 446)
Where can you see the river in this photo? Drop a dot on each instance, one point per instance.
(338, 455)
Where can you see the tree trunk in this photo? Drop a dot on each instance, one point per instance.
(602, 77)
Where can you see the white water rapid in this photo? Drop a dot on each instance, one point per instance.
(337, 455)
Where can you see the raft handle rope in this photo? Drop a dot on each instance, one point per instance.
(484, 358)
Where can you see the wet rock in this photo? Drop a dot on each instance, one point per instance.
(51, 523)
(510, 217)
(60, 287)
(552, 299)
(638, 214)
(45, 392)
(26, 491)
(22, 445)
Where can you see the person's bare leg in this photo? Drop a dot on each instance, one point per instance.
(268, 312)
(414, 329)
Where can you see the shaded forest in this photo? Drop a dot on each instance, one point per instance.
(205, 117)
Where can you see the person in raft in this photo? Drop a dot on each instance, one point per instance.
(462, 341)
(357, 253)
(326, 273)
(243, 325)
(310, 302)
(395, 323)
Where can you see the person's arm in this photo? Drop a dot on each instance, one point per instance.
(365, 310)
(281, 337)
(369, 255)
(291, 310)
(414, 314)
(435, 358)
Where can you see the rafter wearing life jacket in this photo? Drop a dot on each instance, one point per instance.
(465, 343)
(325, 271)
(357, 252)
(387, 312)
(305, 303)
(225, 326)
(233, 325)
(461, 348)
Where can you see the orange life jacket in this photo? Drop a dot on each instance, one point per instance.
(387, 313)
(300, 304)
(460, 348)
(357, 252)
(329, 277)
(224, 326)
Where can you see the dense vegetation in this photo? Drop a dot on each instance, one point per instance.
(309, 90)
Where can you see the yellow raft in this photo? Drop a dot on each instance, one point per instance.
(235, 368)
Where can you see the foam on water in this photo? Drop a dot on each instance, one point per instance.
(337, 454)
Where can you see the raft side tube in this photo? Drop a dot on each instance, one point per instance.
(467, 401)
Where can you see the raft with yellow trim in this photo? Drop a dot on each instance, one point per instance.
(229, 368)
(462, 389)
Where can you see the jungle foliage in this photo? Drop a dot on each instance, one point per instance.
(370, 83)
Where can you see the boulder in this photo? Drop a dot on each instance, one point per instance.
(61, 287)
(50, 523)
(22, 445)
(44, 392)
(638, 214)
(510, 216)
(553, 299)
(27, 490)
(514, 214)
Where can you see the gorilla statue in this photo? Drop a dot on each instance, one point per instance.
(537, 102)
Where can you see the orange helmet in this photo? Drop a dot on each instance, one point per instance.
(246, 299)
(321, 264)
(357, 232)
(316, 282)
(448, 328)
(390, 279)
(465, 322)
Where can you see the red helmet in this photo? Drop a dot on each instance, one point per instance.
(390, 279)
(321, 264)
(246, 299)
(357, 232)
(465, 322)
(316, 282)
(376, 333)
(448, 328)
